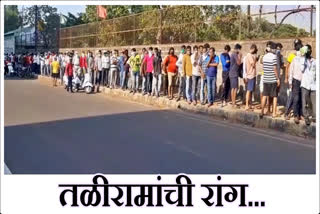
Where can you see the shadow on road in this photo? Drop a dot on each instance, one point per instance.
(146, 142)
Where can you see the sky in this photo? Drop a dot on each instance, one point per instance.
(301, 20)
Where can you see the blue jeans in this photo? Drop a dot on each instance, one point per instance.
(202, 95)
(135, 80)
(188, 88)
(195, 88)
(122, 79)
(211, 88)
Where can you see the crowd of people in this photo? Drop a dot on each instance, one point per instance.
(194, 73)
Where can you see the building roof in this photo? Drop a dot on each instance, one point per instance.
(25, 29)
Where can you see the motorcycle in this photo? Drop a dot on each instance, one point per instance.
(25, 72)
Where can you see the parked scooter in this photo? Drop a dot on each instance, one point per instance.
(80, 83)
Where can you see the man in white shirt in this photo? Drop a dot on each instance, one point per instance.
(182, 80)
(308, 85)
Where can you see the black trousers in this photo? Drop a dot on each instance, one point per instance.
(226, 85)
(296, 95)
(149, 82)
(70, 83)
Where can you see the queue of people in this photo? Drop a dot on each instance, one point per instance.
(193, 72)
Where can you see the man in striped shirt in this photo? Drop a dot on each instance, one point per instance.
(270, 79)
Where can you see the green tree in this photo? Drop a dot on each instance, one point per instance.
(48, 23)
(11, 17)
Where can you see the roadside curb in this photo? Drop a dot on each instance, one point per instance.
(235, 116)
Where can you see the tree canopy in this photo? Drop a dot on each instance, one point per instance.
(11, 18)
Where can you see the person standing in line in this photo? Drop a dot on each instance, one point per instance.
(297, 46)
(98, 71)
(181, 75)
(91, 65)
(55, 71)
(271, 79)
(170, 67)
(62, 66)
(126, 70)
(83, 63)
(156, 82)
(196, 74)
(114, 69)
(295, 76)
(105, 68)
(235, 62)
(187, 72)
(148, 59)
(47, 70)
(204, 59)
(143, 71)
(308, 85)
(69, 73)
(225, 61)
(42, 64)
(250, 72)
(212, 75)
(76, 64)
(135, 63)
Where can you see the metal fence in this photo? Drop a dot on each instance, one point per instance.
(177, 24)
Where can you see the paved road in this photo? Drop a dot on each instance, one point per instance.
(49, 131)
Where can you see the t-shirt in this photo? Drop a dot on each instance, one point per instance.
(290, 57)
(170, 62)
(250, 66)
(225, 61)
(55, 67)
(149, 60)
(234, 67)
(212, 70)
(135, 62)
(269, 61)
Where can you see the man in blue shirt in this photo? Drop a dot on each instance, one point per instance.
(225, 61)
(212, 75)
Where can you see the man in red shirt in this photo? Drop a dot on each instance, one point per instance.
(69, 73)
(83, 63)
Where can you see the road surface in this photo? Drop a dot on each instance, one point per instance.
(50, 131)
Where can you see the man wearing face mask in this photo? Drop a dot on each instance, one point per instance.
(250, 74)
(98, 71)
(135, 63)
(169, 66)
(295, 76)
(156, 82)
(187, 72)
(308, 85)
(181, 76)
(114, 68)
(91, 66)
(204, 59)
(297, 44)
(148, 59)
(196, 74)
(76, 64)
(105, 67)
(83, 63)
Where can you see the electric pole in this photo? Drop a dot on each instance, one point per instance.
(36, 29)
